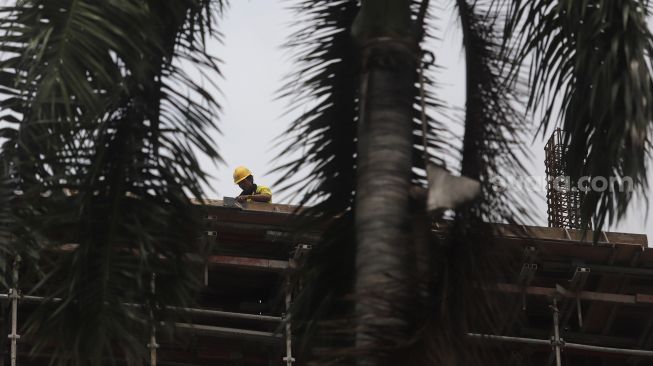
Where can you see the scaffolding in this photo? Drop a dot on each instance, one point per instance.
(573, 301)
(562, 197)
(578, 302)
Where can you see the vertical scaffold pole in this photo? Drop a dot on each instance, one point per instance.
(289, 359)
(557, 342)
(14, 295)
(152, 345)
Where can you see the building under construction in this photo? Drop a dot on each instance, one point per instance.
(571, 302)
(578, 303)
(574, 302)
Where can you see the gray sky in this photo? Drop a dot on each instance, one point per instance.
(254, 65)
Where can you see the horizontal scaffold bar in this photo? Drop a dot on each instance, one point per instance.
(644, 299)
(578, 346)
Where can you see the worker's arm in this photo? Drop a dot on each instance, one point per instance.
(263, 194)
(263, 197)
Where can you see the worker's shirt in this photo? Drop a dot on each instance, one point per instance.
(259, 190)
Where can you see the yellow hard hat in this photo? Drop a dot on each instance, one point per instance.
(241, 173)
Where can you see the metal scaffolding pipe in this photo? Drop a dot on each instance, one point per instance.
(600, 349)
(14, 325)
(538, 342)
(224, 331)
(192, 311)
(603, 269)
(613, 298)
(28, 298)
(152, 345)
(14, 295)
(556, 342)
(227, 314)
(578, 346)
(289, 359)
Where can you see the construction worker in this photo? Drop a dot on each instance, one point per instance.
(251, 191)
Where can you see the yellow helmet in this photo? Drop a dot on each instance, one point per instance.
(241, 173)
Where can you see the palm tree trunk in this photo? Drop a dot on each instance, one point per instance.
(383, 230)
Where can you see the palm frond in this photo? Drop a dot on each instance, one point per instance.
(591, 58)
(439, 146)
(102, 116)
(495, 124)
(324, 89)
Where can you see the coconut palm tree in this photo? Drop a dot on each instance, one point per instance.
(92, 110)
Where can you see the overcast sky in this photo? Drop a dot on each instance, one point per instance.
(254, 64)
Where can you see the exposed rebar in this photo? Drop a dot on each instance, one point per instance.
(563, 198)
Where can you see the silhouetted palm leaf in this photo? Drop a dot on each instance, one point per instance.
(495, 125)
(590, 60)
(104, 131)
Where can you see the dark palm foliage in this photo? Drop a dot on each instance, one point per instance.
(327, 77)
(450, 301)
(100, 144)
(495, 124)
(326, 80)
(98, 152)
(592, 57)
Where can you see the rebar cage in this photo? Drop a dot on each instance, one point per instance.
(562, 197)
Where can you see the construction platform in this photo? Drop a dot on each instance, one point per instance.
(599, 296)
